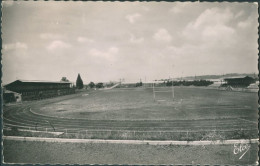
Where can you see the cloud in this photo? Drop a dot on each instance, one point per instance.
(176, 51)
(212, 16)
(245, 24)
(198, 36)
(162, 35)
(49, 36)
(133, 17)
(14, 46)
(108, 55)
(81, 39)
(210, 26)
(58, 44)
(239, 14)
(215, 31)
(136, 40)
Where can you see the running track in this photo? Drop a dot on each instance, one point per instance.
(23, 117)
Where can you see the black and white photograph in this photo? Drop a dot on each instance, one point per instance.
(129, 83)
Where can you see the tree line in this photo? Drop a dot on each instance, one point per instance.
(189, 83)
(80, 85)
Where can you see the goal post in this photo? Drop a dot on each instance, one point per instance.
(153, 93)
(172, 91)
(160, 88)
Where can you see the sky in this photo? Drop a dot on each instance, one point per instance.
(108, 41)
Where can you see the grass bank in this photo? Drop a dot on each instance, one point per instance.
(104, 153)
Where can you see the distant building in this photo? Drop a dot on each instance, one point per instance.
(240, 81)
(33, 90)
(254, 87)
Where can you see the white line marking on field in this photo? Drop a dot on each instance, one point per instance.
(34, 131)
(248, 121)
(217, 142)
(160, 100)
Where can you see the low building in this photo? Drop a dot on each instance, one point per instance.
(10, 96)
(240, 81)
(254, 87)
(34, 90)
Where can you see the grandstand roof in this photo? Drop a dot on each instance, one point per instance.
(41, 81)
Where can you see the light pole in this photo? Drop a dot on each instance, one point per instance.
(172, 91)
(153, 93)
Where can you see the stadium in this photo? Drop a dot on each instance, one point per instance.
(130, 83)
(139, 116)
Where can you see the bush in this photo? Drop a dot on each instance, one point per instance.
(100, 85)
(189, 83)
(91, 84)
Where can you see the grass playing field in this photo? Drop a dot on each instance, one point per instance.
(138, 104)
(194, 114)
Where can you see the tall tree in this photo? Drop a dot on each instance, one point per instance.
(79, 82)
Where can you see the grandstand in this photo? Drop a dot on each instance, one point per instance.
(33, 90)
(240, 81)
